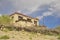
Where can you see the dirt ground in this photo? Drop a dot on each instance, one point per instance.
(23, 35)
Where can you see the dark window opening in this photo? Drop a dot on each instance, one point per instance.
(24, 20)
(20, 18)
(35, 22)
(29, 20)
(16, 21)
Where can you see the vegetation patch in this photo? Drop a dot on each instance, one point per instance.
(4, 37)
(30, 38)
(59, 37)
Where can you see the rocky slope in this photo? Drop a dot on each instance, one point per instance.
(23, 35)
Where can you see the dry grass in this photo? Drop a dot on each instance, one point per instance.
(29, 33)
(24, 35)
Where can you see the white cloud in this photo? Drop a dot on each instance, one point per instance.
(0, 14)
(30, 5)
(40, 17)
(55, 7)
(45, 14)
(54, 10)
(57, 4)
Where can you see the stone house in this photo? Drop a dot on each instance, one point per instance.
(20, 20)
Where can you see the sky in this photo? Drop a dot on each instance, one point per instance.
(47, 10)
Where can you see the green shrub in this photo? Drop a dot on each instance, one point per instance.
(10, 28)
(30, 38)
(59, 37)
(5, 30)
(4, 37)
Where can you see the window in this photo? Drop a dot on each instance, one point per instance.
(35, 22)
(20, 18)
(24, 20)
(29, 20)
(16, 21)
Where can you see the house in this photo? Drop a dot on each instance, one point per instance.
(20, 20)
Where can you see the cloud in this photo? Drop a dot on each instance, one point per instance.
(45, 14)
(56, 5)
(40, 17)
(53, 9)
(29, 5)
(0, 14)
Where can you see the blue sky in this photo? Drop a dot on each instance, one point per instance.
(49, 10)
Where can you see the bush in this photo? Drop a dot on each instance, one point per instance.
(4, 37)
(42, 31)
(10, 28)
(30, 38)
(59, 37)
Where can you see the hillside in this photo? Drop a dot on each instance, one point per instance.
(23, 35)
(28, 33)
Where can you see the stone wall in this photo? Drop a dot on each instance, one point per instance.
(24, 21)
